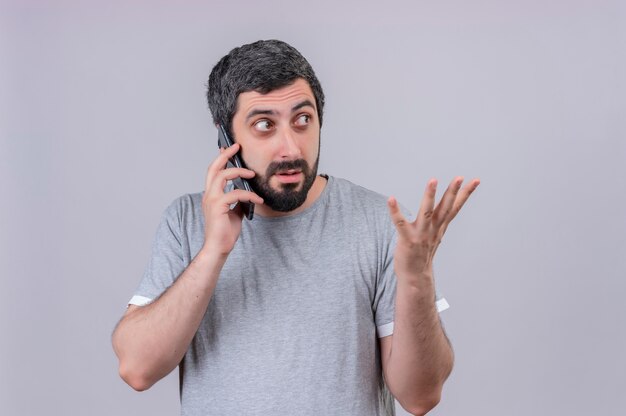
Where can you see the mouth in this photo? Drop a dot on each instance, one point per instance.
(289, 176)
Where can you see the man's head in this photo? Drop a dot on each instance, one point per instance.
(268, 98)
(262, 66)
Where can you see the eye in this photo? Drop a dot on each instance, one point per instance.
(263, 125)
(303, 120)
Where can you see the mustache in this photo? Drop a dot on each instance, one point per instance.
(298, 164)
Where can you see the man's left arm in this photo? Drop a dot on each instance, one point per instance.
(417, 358)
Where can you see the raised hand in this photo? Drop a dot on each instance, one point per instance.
(223, 225)
(418, 240)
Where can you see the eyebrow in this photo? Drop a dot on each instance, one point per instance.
(256, 112)
(305, 103)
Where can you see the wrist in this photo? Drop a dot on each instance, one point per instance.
(421, 283)
(205, 269)
(213, 252)
(211, 257)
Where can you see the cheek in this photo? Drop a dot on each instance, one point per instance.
(313, 150)
(254, 162)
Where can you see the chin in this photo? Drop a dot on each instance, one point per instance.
(278, 186)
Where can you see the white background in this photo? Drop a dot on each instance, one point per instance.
(103, 122)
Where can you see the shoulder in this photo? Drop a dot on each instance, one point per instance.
(186, 202)
(345, 189)
(185, 208)
(366, 209)
(348, 192)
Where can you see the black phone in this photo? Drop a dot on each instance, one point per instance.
(224, 141)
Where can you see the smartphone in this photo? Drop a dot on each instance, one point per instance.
(224, 141)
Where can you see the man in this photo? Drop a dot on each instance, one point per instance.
(295, 311)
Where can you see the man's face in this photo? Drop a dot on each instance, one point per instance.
(279, 134)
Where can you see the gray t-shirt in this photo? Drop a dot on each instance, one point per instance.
(291, 328)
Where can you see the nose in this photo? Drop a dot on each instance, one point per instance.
(289, 148)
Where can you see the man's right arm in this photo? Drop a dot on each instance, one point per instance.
(150, 341)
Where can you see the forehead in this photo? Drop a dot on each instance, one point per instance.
(279, 100)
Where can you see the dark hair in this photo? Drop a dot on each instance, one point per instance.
(262, 66)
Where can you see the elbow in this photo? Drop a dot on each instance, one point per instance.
(134, 379)
(138, 371)
(130, 369)
(421, 406)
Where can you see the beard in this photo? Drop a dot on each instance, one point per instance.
(288, 197)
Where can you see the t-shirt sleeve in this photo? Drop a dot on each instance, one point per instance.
(385, 296)
(166, 260)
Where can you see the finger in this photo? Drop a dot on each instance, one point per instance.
(397, 218)
(219, 163)
(463, 196)
(444, 208)
(239, 195)
(219, 182)
(427, 205)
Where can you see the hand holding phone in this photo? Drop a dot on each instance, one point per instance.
(224, 141)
